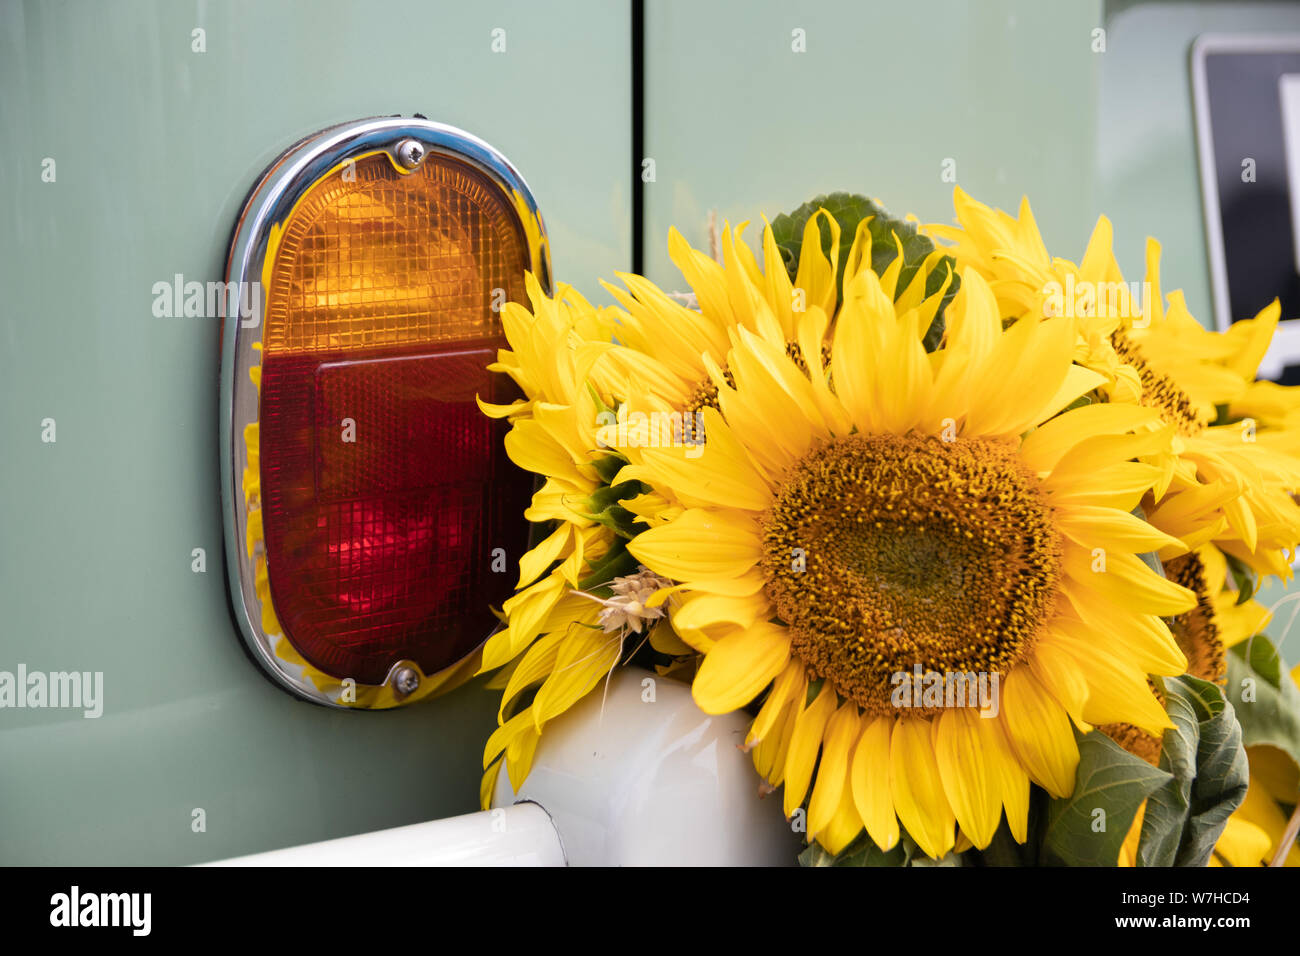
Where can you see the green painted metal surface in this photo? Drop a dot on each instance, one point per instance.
(884, 94)
(1148, 176)
(155, 146)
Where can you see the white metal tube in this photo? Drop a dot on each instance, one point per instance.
(518, 835)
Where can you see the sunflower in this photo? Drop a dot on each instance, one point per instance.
(548, 628)
(592, 378)
(1236, 461)
(1201, 636)
(1026, 280)
(885, 514)
(570, 359)
(664, 350)
(1239, 490)
(666, 354)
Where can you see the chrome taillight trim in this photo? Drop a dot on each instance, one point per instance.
(269, 202)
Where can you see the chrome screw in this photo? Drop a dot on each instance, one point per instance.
(406, 681)
(410, 153)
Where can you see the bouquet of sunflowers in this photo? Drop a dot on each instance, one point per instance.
(971, 532)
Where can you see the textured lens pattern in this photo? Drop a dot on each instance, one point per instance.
(371, 257)
(400, 449)
(385, 491)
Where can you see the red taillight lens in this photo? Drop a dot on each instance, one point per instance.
(384, 490)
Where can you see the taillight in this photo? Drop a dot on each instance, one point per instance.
(371, 509)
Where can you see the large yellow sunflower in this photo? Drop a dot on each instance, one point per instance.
(888, 513)
(575, 364)
(592, 379)
(1236, 461)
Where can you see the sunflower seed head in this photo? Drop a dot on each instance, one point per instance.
(627, 609)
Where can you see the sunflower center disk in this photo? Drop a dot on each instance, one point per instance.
(884, 552)
(1159, 391)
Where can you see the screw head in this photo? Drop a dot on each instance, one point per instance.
(406, 681)
(410, 153)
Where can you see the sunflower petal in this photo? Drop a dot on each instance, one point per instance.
(869, 778)
(804, 744)
(833, 770)
(1039, 731)
(738, 667)
(972, 790)
(917, 787)
(673, 549)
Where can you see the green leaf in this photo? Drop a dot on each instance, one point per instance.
(617, 562)
(604, 506)
(848, 210)
(1109, 779)
(1243, 576)
(597, 400)
(606, 496)
(608, 466)
(1003, 850)
(864, 852)
(861, 852)
(1267, 699)
(933, 283)
(1206, 760)
(952, 859)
